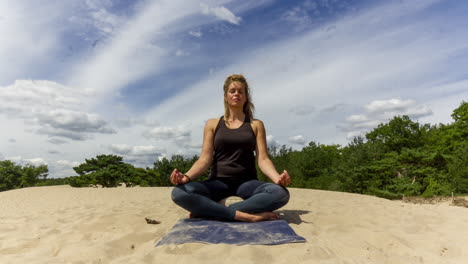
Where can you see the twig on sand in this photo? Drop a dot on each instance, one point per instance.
(152, 221)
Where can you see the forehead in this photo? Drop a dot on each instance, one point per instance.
(236, 85)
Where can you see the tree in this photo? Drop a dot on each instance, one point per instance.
(30, 175)
(400, 132)
(401, 157)
(458, 168)
(446, 138)
(164, 167)
(147, 177)
(14, 176)
(319, 164)
(10, 174)
(460, 126)
(460, 114)
(105, 170)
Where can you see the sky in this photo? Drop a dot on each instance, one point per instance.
(139, 79)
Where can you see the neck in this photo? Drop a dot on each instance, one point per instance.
(236, 114)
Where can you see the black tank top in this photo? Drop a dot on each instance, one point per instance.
(233, 157)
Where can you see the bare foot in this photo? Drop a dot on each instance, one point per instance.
(265, 216)
(258, 217)
(191, 215)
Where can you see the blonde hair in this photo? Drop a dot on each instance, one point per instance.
(248, 108)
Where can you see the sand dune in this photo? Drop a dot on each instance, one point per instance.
(89, 225)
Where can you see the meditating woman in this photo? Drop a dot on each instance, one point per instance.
(228, 147)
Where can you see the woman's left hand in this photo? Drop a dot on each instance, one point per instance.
(178, 177)
(283, 179)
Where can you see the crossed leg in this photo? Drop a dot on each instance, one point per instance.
(260, 199)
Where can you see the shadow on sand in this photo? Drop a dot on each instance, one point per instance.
(293, 216)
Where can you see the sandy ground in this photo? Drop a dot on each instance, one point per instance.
(62, 224)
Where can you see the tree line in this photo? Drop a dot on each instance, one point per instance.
(401, 157)
(13, 176)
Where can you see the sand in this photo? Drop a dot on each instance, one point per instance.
(62, 224)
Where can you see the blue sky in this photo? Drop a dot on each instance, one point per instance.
(140, 78)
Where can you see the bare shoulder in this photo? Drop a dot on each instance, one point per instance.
(211, 123)
(257, 125)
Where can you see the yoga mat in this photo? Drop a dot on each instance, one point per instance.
(234, 233)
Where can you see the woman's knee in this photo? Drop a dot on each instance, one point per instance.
(185, 191)
(178, 194)
(280, 193)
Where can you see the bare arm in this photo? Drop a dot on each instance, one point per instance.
(205, 159)
(263, 160)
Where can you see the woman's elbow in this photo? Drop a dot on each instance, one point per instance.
(205, 162)
(264, 161)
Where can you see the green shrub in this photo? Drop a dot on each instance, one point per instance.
(435, 188)
(385, 194)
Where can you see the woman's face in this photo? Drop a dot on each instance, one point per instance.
(235, 95)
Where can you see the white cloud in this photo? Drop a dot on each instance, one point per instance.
(181, 136)
(357, 118)
(27, 96)
(352, 134)
(243, 6)
(297, 15)
(62, 168)
(97, 4)
(146, 150)
(140, 156)
(121, 149)
(310, 5)
(222, 13)
(68, 163)
(381, 111)
(180, 52)
(196, 33)
(306, 14)
(301, 85)
(103, 19)
(397, 107)
(271, 142)
(36, 161)
(130, 120)
(73, 121)
(134, 51)
(23, 161)
(61, 133)
(52, 109)
(94, 16)
(56, 141)
(298, 139)
(302, 110)
(388, 105)
(165, 133)
(28, 37)
(352, 65)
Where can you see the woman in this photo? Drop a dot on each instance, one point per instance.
(228, 147)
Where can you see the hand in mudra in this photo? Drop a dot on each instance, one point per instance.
(178, 177)
(284, 179)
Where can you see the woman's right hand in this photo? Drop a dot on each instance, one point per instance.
(178, 178)
(284, 179)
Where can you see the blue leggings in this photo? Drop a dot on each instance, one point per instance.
(201, 198)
